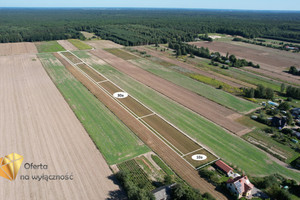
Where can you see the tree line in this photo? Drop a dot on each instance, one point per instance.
(143, 26)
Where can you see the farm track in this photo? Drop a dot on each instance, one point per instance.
(272, 62)
(37, 123)
(189, 67)
(206, 108)
(176, 162)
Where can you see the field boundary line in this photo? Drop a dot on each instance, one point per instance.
(135, 115)
(151, 109)
(100, 87)
(207, 164)
(192, 152)
(146, 116)
(102, 81)
(106, 92)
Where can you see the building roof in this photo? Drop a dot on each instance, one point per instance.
(163, 192)
(242, 184)
(223, 166)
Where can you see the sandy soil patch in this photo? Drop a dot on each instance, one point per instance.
(38, 124)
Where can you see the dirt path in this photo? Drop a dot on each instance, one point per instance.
(272, 62)
(67, 45)
(209, 109)
(189, 67)
(182, 168)
(37, 123)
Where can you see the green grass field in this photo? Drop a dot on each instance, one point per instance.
(230, 148)
(114, 140)
(207, 91)
(239, 75)
(80, 45)
(50, 46)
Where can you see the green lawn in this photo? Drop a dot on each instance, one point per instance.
(230, 148)
(50, 46)
(80, 45)
(207, 91)
(114, 140)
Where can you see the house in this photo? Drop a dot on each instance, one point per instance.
(296, 133)
(163, 193)
(273, 103)
(296, 112)
(225, 168)
(240, 186)
(278, 122)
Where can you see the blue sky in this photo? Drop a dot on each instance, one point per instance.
(214, 4)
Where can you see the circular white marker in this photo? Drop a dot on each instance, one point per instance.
(120, 95)
(199, 157)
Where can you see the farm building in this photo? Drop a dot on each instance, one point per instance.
(278, 122)
(225, 168)
(163, 193)
(296, 112)
(240, 186)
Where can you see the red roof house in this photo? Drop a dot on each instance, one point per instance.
(224, 167)
(240, 186)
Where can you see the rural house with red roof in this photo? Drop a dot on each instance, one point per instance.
(240, 186)
(225, 168)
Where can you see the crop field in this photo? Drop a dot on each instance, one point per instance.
(183, 169)
(177, 140)
(38, 124)
(114, 140)
(7, 49)
(240, 75)
(273, 62)
(213, 111)
(209, 92)
(210, 135)
(137, 174)
(49, 46)
(103, 44)
(122, 54)
(67, 45)
(79, 44)
(162, 58)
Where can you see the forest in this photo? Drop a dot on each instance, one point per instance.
(143, 26)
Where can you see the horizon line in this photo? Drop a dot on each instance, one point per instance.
(80, 7)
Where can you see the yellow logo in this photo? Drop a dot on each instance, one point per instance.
(10, 165)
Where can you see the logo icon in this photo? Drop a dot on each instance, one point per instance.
(10, 165)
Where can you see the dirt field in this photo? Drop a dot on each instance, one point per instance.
(189, 67)
(272, 62)
(91, 73)
(210, 158)
(71, 57)
(7, 49)
(211, 110)
(37, 123)
(103, 44)
(67, 45)
(175, 137)
(182, 168)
